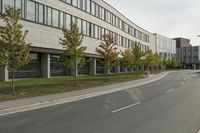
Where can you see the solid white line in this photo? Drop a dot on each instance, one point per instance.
(126, 107)
(170, 90)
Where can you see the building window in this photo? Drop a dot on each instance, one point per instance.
(79, 24)
(61, 20)
(41, 14)
(49, 16)
(18, 4)
(102, 33)
(7, 3)
(55, 17)
(75, 3)
(103, 14)
(69, 1)
(97, 11)
(84, 4)
(30, 14)
(88, 32)
(88, 5)
(84, 27)
(74, 20)
(68, 21)
(93, 8)
(92, 30)
(96, 29)
(79, 4)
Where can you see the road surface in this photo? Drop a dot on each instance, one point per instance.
(170, 105)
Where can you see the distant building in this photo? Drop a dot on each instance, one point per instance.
(165, 47)
(189, 56)
(182, 42)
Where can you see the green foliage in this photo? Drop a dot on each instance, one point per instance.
(169, 61)
(157, 60)
(108, 52)
(163, 62)
(127, 59)
(175, 62)
(14, 49)
(149, 58)
(137, 55)
(73, 51)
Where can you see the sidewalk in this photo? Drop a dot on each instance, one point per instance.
(14, 106)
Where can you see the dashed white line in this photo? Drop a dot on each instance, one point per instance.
(170, 90)
(129, 106)
(182, 83)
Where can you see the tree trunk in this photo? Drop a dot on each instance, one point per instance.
(76, 83)
(148, 70)
(13, 82)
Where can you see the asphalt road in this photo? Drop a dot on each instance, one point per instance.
(170, 105)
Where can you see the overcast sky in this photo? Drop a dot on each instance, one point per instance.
(171, 18)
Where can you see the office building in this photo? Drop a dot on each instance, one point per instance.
(44, 19)
(189, 57)
(165, 47)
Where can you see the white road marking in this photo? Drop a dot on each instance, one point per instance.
(198, 131)
(170, 90)
(182, 83)
(129, 106)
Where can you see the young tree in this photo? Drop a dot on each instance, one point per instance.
(175, 63)
(149, 59)
(137, 55)
(157, 60)
(164, 62)
(169, 62)
(14, 49)
(127, 59)
(108, 52)
(73, 51)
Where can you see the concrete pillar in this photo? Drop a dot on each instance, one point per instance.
(45, 62)
(117, 69)
(142, 67)
(125, 69)
(93, 66)
(152, 68)
(137, 68)
(4, 74)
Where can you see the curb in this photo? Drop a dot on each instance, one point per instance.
(44, 104)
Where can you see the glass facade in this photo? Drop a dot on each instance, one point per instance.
(39, 13)
(101, 13)
(31, 70)
(56, 68)
(30, 10)
(7, 3)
